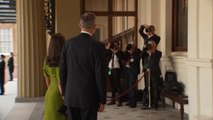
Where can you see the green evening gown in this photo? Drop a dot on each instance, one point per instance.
(53, 99)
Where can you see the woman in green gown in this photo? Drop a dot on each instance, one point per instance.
(53, 98)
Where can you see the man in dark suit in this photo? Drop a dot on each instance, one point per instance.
(147, 32)
(2, 74)
(137, 56)
(10, 65)
(114, 71)
(82, 73)
(132, 69)
(151, 62)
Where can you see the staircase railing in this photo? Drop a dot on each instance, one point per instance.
(123, 38)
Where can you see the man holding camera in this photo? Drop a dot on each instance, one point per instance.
(148, 33)
(151, 62)
(114, 71)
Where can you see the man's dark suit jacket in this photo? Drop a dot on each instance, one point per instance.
(153, 63)
(137, 57)
(2, 71)
(82, 72)
(10, 64)
(119, 55)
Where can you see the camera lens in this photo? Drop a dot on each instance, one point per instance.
(148, 46)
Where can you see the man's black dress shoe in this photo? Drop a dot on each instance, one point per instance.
(119, 104)
(111, 103)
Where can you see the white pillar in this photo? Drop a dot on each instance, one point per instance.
(199, 61)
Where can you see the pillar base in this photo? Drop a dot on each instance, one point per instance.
(29, 99)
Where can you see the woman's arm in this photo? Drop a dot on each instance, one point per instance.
(47, 79)
(59, 87)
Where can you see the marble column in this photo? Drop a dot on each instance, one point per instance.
(200, 59)
(31, 49)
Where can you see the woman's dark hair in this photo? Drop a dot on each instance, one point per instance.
(54, 50)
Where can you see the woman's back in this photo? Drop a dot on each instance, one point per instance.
(53, 99)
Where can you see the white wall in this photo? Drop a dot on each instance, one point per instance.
(199, 61)
(67, 17)
(194, 67)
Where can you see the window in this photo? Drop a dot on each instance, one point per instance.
(180, 18)
(5, 40)
(114, 18)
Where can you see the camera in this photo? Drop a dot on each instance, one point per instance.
(148, 46)
(114, 45)
(147, 29)
(150, 28)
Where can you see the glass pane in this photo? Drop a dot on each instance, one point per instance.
(123, 5)
(123, 30)
(96, 5)
(5, 40)
(101, 33)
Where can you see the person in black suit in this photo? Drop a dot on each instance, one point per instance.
(82, 73)
(2, 74)
(114, 71)
(137, 57)
(10, 65)
(147, 32)
(132, 69)
(151, 63)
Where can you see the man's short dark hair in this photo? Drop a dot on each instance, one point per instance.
(87, 20)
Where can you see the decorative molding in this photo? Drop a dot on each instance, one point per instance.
(173, 59)
(49, 9)
(29, 99)
(204, 63)
(197, 62)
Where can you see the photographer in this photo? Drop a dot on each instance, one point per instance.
(114, 71)
(151, 61)
(148, 33)
(132, 60)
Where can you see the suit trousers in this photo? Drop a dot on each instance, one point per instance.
(154, 85)
(82, 113)
(130, 77)
(11, 73)
(154, 91)
(1, 86)
(115, 82)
